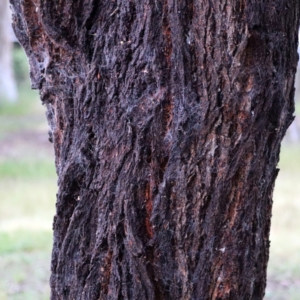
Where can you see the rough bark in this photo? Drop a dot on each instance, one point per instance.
(167, 118)
(8, 88)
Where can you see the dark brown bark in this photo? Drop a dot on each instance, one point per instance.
(167, 118)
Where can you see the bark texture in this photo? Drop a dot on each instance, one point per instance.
(166, 118)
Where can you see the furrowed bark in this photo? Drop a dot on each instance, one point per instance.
(166, 118)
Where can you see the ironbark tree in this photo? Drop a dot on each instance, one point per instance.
(166, 118)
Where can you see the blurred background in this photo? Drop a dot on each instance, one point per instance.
(28, 188)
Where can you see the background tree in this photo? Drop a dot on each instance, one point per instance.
(8, 89)
(167, 118)
(294, 130)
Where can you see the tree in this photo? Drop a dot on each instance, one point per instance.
(294, 130)
(8, 89)
(167, 118)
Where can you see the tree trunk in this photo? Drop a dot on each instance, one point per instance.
(8, 88)
(167, 118)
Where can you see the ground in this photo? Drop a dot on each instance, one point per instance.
(27, 193)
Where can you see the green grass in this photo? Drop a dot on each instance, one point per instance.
(27, 210)
(25, 240)
(25, 105)
(25, 114)
(284, 264)
(27, 193)
(27, 168)
(25, 276)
